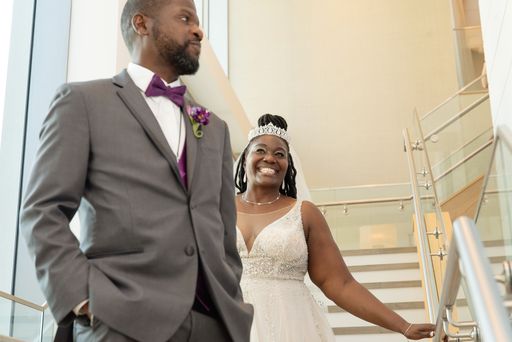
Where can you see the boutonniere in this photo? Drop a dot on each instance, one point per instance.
(198, 116)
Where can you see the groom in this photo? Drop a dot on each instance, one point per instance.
(151, 176)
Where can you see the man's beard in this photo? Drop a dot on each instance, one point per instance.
(175, 54)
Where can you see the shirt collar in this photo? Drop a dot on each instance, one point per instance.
(141, 76)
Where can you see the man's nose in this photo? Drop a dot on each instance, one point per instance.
(197, 32)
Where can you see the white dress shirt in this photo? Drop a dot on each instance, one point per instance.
(167, 113)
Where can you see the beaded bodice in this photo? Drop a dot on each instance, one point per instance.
(279, 251)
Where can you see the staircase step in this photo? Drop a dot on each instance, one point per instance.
(496, 243)
(378, 251)
(392, 306)
(361, 330)
(392, 284)
(384, 267)
(497, 259)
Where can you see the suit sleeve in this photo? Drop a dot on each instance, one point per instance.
(228, 208)
(53, 195)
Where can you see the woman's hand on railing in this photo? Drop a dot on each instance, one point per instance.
(419, 331)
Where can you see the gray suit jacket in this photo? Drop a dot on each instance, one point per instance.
(142, 232)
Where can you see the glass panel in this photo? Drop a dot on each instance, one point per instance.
(5, 316)
(14, 76)
(494, 219)
(463, 175)
(458, 134)
(5, 36)
(19, 321)
(49, 326)
(26, 323)
(452, 106)
(376, 225)
(355, 193)
(470, 52)
(462, 153)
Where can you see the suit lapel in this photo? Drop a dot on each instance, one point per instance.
(130, 95)
(191, 143)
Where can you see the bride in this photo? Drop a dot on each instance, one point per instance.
(281, 238)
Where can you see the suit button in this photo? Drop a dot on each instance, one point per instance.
(190, 250)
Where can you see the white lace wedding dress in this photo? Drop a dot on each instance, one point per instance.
(273, 282)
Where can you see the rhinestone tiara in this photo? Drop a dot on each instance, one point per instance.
(269, 129)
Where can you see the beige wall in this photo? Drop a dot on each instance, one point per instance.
(346, 75)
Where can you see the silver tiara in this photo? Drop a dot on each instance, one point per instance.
(269, 129)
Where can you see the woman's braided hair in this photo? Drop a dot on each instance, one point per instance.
(289, 187)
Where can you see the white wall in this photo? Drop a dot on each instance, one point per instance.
(93, 39)
(496, 17)
(346, 75)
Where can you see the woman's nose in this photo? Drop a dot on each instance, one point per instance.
(269, 158)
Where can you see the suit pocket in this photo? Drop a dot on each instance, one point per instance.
(107, 229)
(103, 254)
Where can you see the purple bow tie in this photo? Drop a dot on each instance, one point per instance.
(157, 87)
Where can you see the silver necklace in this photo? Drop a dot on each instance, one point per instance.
(244, 198)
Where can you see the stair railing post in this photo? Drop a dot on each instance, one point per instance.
(427, 269)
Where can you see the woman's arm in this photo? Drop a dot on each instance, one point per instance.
(330, 273)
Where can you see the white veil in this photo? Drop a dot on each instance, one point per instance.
(303, 194)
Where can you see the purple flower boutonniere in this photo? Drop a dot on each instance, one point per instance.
(198, 116)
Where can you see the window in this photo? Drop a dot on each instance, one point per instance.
(5, 38)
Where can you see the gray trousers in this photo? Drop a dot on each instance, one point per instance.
(196, 328)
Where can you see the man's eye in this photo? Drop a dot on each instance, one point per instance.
(185, 19)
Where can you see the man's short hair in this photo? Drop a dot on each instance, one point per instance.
(147, 7)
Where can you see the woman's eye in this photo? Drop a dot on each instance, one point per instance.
(280, 154)
(260, 151)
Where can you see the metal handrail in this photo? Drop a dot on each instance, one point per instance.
(458, 116)
(460, 91)
(427, 269)
(464, 28)
(23, 302)
(364, 201)
(468, 157)
(466, 259)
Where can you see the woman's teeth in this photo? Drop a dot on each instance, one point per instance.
(267, 171)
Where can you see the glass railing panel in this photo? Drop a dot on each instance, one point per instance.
(445, 140)
(26, 323)
(351, 193)
(5, 316)
(456, 104)
(470, 52)
(459, 177)
(463, 152)
(49, 326)
(494, 219)
(372, 225)
(19, 321)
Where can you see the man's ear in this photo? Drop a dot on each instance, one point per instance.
(140, 24)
